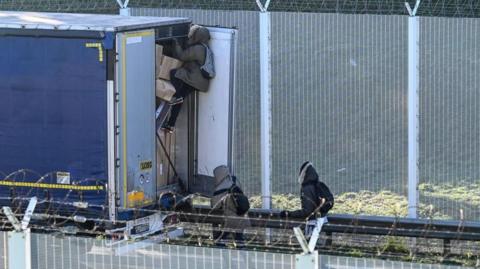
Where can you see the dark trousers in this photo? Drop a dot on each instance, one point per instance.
(182, 90)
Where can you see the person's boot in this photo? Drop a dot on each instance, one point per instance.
(176, 101)
(167, 128)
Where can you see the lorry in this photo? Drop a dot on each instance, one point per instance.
(79, 117)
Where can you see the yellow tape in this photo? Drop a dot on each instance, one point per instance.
(99, 47)
(50, 186)
(144, 33)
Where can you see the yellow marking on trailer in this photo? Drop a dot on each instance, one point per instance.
(50, 186)
(99, 47)
(137, 34)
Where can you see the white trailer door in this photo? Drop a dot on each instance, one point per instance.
(215, 107)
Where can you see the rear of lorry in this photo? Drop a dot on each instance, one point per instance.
(78, 125)
(78, 102)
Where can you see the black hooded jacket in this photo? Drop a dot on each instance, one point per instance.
(309, 196)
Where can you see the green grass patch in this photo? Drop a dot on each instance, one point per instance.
(463, 192)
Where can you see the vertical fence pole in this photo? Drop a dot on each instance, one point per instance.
(265, 106)
(19, 250)
(413, 108)
(124, 9)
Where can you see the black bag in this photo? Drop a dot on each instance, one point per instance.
(323, 192)
(240, 200)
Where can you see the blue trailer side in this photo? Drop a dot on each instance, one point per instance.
(65, 108)
(53, 119)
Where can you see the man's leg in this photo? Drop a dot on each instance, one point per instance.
(182, 91)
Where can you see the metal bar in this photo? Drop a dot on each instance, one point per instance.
(111, 149)
(167, 155)
(413, 113)
(19, 250)
(265, 107)
(455, 230)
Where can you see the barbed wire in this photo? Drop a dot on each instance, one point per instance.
(206, 228)
(199, 233)
(442, 8)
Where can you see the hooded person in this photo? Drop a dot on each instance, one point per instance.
(223, 200)
(189, 77)
(311, 191)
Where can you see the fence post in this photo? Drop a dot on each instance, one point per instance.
(19, 250)
(265, 103)
(124, 9)
(413, 108)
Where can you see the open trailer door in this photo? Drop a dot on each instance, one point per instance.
(136, 184)
(215, 111)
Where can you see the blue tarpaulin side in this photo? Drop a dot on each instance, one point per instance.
(53, 115)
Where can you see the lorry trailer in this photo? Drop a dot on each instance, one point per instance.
(79, 128)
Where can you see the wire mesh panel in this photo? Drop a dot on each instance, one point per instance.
(3, 250)
(339, 100)
(450, 116)
(247, 95)
(338, 262)
(76, 252)
(50, 251)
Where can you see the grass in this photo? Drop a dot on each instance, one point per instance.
(463, 192)
(383, 203)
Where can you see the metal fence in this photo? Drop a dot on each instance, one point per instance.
(339, 99)
(59, 251)
(450, 115)
(75, 252)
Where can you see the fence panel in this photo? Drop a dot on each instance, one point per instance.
(77, 252)
(3, 250)
(50, 252)
(450, 116)
(339, 100)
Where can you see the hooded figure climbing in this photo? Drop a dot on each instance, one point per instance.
(315, 195)
(189, 77)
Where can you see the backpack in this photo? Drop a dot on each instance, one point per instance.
(323, 192)
(208, 68)
(240, 200)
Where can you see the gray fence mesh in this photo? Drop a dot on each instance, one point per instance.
(339, 100)
(60, 251)
(450, 115)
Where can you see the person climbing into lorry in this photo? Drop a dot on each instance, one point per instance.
(316, 197)
(195, 73)
(229, 198)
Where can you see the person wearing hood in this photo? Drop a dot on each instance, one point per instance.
(222, 199)
(189, 77)
(315, 195)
